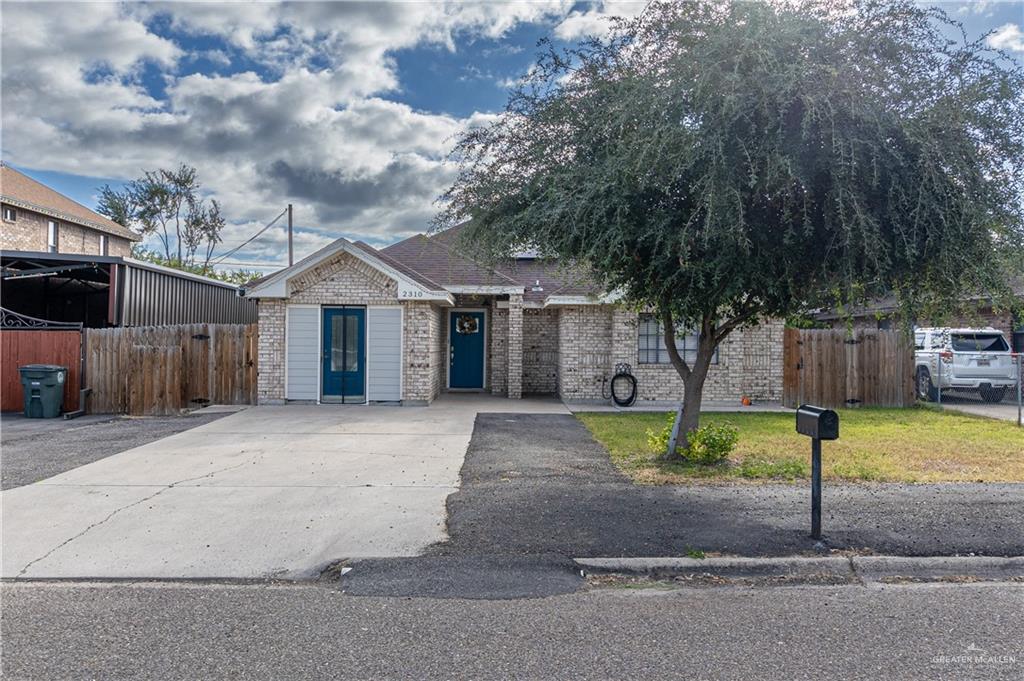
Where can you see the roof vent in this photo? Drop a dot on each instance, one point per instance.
(537, 287)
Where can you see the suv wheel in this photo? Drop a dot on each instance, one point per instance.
(925, 390)
(990, 394)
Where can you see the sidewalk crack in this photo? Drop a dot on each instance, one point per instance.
(127, 506)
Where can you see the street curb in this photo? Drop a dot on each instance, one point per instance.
(834, 569)
(938, 568)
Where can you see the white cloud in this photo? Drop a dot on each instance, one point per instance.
(597, 20)
(1007, 37)
(315, 131)
(978, 7)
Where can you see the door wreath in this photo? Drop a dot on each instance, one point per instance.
(466, 324)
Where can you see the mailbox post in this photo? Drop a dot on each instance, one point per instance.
(818, 424)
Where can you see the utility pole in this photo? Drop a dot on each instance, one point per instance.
(291, 256)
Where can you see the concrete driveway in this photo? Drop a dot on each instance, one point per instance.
(267, 492)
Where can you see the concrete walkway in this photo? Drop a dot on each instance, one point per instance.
(267, 492)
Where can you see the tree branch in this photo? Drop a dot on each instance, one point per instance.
(730, 325)
(669, 332)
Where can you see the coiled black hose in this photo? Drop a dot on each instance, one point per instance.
(622, 379)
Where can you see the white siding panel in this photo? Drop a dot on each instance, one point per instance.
(384, 353)
(303, 353)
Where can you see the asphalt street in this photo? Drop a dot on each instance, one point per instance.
(310, 631)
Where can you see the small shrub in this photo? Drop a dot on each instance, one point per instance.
(709, 444)
(658, 441)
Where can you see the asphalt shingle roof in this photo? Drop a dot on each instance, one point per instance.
(439, 258)
(21, 191)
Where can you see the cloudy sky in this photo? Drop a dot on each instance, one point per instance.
(344, 109)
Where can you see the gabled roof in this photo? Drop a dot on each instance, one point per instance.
(411, 273)
(410, 284)
(439, 257)
(21, 191)
(444, 265)
(435, 267)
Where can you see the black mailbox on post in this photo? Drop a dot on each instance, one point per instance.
(821, 424)
(818, 424)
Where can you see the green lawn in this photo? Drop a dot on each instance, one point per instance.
(904, 445)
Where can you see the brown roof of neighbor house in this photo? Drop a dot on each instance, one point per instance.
(21, 191)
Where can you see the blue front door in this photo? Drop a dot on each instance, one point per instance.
(466, 350)
(344, 354)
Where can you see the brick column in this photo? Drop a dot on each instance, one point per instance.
(270, 356)
(515, 346)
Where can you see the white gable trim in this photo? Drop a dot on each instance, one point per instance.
(276, 286)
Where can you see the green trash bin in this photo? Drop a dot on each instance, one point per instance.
(43, 389)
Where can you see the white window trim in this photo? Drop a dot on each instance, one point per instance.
(52, 235)
(10, 214)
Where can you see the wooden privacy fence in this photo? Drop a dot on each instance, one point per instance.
(163, 369)
(827, 368)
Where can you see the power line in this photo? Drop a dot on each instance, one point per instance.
(249, 240)
(235, 263)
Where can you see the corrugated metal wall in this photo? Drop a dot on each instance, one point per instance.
(152, 298)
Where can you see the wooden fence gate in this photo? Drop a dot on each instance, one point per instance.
(827, 368)
(164, 369)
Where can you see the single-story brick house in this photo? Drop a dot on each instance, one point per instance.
(351, 323)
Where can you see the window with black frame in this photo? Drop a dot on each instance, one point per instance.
(651, 343)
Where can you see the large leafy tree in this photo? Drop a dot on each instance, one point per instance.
(723, 163)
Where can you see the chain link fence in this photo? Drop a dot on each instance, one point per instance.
(975, 372)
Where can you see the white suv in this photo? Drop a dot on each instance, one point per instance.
(978, 359)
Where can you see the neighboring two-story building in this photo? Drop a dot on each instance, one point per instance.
(62, 262)
(38, 219)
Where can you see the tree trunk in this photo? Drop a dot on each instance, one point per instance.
(688, 414)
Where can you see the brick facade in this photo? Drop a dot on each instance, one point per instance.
(593, 339)
(346, 280)
(584, 351)
(514, 389)
(343, 280)
(569, 351)
(540, 351)
(422, 353)
(29, 233)
(270, 377)
(498, 357)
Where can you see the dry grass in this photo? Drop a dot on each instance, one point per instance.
(883, 445)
